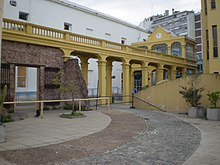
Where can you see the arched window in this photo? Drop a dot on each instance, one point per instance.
(176, 49)
(190, 52)
(162, 48)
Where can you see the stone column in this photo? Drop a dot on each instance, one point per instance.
(109, 80)
(145, 72)
(41, 83)
(131, 73)
(84, 68)
(126, 81)
(1, 16)
(11, 88)
(159, 72)
(173, 73)
(102, 79)
(183, 51)
(169, 50)
(183, 71)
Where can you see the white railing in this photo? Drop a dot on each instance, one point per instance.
(66, 100)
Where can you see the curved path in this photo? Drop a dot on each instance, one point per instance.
(137, 137)
(166, 141)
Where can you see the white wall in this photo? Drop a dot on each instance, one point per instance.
(191, 25)
(52, 14)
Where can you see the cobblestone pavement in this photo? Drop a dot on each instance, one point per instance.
(166, 141)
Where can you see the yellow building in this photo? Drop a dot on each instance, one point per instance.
(211, 36)
(168, 43)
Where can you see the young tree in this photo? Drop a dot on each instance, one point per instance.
(192, 92)
(65, 86)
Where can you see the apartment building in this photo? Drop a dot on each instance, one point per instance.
(198, 38)
(211, 35)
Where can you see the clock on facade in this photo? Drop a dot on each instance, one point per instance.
(158, 35)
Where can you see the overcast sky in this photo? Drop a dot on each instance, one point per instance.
(134, 11)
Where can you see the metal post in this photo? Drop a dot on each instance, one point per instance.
(97, 94)
(41, 109)
(79, 105)
(132, 102)
(108, 103)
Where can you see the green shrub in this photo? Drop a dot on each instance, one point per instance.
(191, 95)
(214, 97)
(6, 119)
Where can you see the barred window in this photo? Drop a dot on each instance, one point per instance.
(213, 4)
(215, 41)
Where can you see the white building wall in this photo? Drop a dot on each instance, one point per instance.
(52, 14)
(191, 25)
(85, 21)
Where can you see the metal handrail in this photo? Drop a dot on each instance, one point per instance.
(150, 104)
(48, 101)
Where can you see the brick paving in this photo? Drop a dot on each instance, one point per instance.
(122, 129)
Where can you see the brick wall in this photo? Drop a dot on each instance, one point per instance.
(42, 57)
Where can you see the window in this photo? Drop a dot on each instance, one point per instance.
(215, 41)
(67, 26)
(207, 43)
(198, 32)
(205, 4)
(21, 77)
(199, 48)
(198, 25)
(123, 40)
(198, 40)
(197, 18)
(176, 49)
(137, 80)
(13, 3)
(23, 16)
(190, 51)
(162, 48)
(213, 4)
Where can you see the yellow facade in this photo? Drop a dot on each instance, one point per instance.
(168, 44)
(105, 51)
(211, 35)
(161, 36)
(166, 95)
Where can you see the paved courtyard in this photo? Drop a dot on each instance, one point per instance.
(118, 136)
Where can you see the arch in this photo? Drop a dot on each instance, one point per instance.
(162, 48)
(176, 49)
